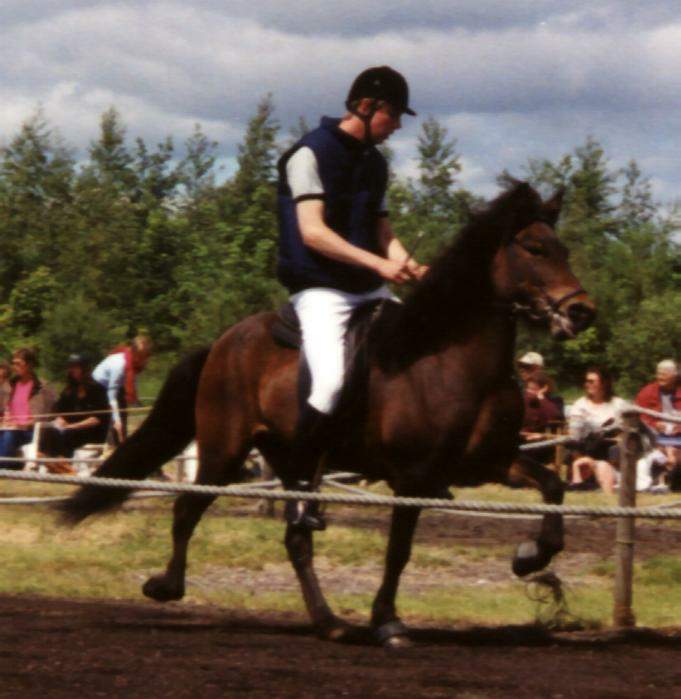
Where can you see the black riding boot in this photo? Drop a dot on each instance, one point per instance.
(310, 442)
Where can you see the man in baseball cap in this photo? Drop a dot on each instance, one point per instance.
(531, 360)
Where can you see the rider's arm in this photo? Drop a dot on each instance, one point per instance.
(322, 239)
(302, 174)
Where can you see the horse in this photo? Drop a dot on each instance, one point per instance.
(441, 403)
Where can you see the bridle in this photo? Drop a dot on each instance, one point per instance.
(548, 307)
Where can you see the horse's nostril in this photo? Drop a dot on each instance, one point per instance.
(580, 314)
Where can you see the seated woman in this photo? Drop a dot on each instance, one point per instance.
(82, 412)
(592, 417)
(30, 399)
(5, 386)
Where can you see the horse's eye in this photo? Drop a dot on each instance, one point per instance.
(534, 249)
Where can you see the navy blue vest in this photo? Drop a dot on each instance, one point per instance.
(354, 178)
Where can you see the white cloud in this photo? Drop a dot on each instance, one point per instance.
(511, 80)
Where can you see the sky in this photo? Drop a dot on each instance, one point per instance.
(510, 80)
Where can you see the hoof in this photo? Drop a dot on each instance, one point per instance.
(334, 630)
(530, 557)
(393, 634)
(398, 643)
(158, 588)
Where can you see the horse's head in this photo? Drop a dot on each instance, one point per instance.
(531, 269)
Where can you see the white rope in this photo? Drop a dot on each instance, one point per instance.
(61, 498)
(545, 443)
(631, 409)
(336, 498)
(275, 482)
(75, 459)
(467, 513)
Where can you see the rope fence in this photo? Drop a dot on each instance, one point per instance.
(370, 499)
(630, 451)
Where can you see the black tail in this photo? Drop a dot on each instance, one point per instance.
(167, 430)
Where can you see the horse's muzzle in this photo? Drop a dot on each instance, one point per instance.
(581, 315)
(572, 319)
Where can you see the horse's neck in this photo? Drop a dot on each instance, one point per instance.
(480, 333)
(486, 345)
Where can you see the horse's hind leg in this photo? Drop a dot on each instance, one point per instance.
(188, 510)
(532, 556)
(299, 546)
(388, 628)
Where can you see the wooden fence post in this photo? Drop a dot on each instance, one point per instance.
(630, 452)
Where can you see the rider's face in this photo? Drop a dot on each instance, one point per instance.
(386, 120)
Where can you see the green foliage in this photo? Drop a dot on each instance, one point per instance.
(29, 299)
(139, 237)
(432, 206)
(75, 324)
(640, 341)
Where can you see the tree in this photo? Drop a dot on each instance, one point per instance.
(258, 152)
(642, 339)
(29, 300)
(439, 164)
(431, 205)
(75, 324)
(36, 179)
(156, 179)
(195, 171)
(111, 164)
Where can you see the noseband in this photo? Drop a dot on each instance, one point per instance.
(550, 306)
(555, 305)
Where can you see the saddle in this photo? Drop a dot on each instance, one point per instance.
(287, 333)
(286, 327)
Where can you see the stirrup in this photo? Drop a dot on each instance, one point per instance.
(304, 515)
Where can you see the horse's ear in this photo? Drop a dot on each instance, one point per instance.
(553, 206)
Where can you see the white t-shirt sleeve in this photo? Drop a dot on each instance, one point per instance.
(302, 173)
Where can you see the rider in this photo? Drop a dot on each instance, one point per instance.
(337, 249)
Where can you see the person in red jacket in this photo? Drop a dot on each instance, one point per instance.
(664, 396)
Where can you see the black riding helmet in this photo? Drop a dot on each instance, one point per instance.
(81, 359)
(381, 83)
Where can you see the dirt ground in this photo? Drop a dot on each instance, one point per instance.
(61, 648)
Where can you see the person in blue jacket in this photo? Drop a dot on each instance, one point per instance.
(337, 249)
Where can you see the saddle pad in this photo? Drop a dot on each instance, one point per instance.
(286, 327)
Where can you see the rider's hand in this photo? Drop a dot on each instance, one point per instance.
(393, 271)
(416, 270)
(118, 428)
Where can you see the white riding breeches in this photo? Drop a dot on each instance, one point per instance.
(324, 315)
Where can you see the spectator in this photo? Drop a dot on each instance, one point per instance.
(5, 386)
(118, 375)
(527, 365)
(663, 395)
(80, 419)
(30, 400)
(540, 414)
(593, 420)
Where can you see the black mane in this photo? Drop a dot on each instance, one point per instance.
(458, 283)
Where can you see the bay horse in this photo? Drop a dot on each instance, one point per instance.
(442, 405)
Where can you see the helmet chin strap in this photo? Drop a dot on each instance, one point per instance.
(366, 120)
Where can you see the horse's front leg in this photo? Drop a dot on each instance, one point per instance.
(300, 550)
(532, 556)
(388, 628)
